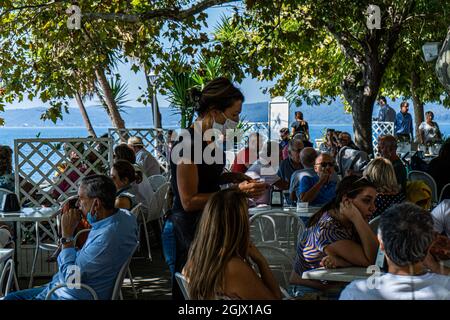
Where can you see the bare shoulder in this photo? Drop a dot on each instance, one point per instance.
(237, 267)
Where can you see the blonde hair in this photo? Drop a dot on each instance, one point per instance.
(381, 172)
(223, 233)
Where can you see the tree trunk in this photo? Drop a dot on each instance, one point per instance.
(84, 115)
(417, 102)
(116, 118)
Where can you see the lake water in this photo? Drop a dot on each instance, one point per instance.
(7, 135)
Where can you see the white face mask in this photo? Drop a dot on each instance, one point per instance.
(229, 124)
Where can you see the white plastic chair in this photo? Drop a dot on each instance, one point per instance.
(117, 292)
(420, 175)
(9, 274)
(156, 181)
(160, 203)
(63, 285)
(445, 193)
(276, 229)
(139, 211)
(183, 284)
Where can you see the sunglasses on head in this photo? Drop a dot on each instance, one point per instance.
(326, 164)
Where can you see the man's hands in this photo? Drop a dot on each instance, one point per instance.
(69, 222)
(253, 188)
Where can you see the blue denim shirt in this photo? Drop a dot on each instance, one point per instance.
(386, 114)
(109, 244)
(326, 193)
(404, 124)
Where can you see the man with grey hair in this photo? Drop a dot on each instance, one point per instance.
(291, 164)
(405, 235)
(145, 159)
(307, 158)
(111, 241)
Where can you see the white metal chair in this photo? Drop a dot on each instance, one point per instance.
(8, 274)
(445, 193)
(160, 200)
(139, 212)
(63, 285)
(183, 284)
(117, 292)
(156, 181)
(276, 229)
(280, 263)
(420, 175)
(128, 266)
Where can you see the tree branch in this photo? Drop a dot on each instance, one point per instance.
(168, 13)
(344, 42)
(35, 6)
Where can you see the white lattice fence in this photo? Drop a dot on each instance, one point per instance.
(47, 170)
(154, 140)
(380, 129)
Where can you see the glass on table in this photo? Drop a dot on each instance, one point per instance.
(302, 206)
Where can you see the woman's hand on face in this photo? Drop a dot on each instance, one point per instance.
(252, 188)
(349, 210)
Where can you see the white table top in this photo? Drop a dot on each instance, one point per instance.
(29, 214)
(268, 209)
(5, 254)
(339, 274)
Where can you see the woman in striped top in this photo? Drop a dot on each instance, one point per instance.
(338, 235)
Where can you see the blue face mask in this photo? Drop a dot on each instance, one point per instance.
(90, 217)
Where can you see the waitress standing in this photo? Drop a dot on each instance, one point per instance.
(195, 180)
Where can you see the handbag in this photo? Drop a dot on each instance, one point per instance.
(10, 203)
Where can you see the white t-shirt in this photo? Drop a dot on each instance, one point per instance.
(148, 163)
(430, 286)
(441, 217)
(430, 132)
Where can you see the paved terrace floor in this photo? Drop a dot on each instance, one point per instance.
(151, 278)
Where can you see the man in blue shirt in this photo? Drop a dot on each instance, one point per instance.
(319, 188)
(386, 113)
(111, 241)
(403, 123)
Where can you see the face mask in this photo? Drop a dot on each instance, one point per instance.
(229, 124)
(90, 217)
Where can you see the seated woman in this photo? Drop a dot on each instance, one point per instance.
(218, 264)
(338, 235)
(381, 172)
(123, 175)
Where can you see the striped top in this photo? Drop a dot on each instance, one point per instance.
(310, 249)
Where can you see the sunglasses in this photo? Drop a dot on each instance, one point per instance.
(325, 164)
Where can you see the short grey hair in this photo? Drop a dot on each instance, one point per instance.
(101, 187)
(308, 157)
(407, 233)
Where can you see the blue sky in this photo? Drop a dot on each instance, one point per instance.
(251, 88)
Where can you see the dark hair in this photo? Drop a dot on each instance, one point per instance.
(407, 233)
(124, 170)
(299, 114)
(383, 98)
(124, 152)
(218, 94)
(429, 113)
(101, 187)
(5, 160)
(350, 186)
(404, 102)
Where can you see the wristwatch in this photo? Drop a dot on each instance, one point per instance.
(66, 240)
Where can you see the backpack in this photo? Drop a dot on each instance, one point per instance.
(351, 159)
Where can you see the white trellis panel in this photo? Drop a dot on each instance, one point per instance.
(42, 165)
(154, 140)
(380, 128)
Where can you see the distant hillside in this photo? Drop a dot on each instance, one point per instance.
(142, 116)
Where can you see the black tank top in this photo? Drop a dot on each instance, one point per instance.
(208, 174)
